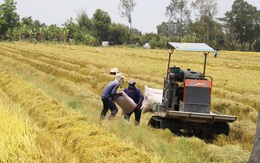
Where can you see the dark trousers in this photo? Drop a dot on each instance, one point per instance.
(137, 112)
(108, 104)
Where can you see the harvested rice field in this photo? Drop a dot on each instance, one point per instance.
(50, 104)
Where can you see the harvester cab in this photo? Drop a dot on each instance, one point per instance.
(185, 106)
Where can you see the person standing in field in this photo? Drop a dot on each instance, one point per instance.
(215, 53)
(108, 96)
(135, 93)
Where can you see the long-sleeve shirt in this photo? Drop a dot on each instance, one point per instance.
(136, 95)
(110, 90)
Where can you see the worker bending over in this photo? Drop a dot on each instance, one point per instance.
(108, 96)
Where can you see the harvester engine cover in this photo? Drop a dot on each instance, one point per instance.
(196, 96)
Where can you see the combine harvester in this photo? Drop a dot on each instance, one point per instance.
(186, 99)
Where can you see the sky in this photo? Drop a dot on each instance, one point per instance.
(146, 15)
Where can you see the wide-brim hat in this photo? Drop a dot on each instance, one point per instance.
(114, 71)
(119, 76)
(131, 81)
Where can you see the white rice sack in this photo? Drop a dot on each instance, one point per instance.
(126, 103)
(151, 96)
(147, 103)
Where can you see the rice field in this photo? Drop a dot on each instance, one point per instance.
(57, 89)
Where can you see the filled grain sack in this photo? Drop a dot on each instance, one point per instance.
(126, 103)
(151, 96)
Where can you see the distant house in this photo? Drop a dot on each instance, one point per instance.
(147, 45)
(105, 43)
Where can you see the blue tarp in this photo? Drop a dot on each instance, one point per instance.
(191, 47)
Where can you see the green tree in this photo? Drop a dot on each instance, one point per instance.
(167, 29)
(9, 19)
(82, 30)
(126, 8)
(151, 38)
(83, 21)
(179, 13)
(244, 16)
(218, 36)
(241, 24)
(118, 34)
(208, 9)
(189, 38)
(257, 45)
(101, 22)
(136, 32)
(229, 30)
(198, 27)
(31, 29)
(27, 21)
(135, 36)
(71, 27)
(257, 31)
(163, 41)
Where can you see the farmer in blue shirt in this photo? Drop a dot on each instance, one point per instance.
(215, 53)
(108, 96)
(137, 96)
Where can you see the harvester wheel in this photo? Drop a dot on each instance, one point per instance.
(154, 122)
(165, 123)
(219, 128)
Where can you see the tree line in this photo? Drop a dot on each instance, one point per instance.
(239, 29)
